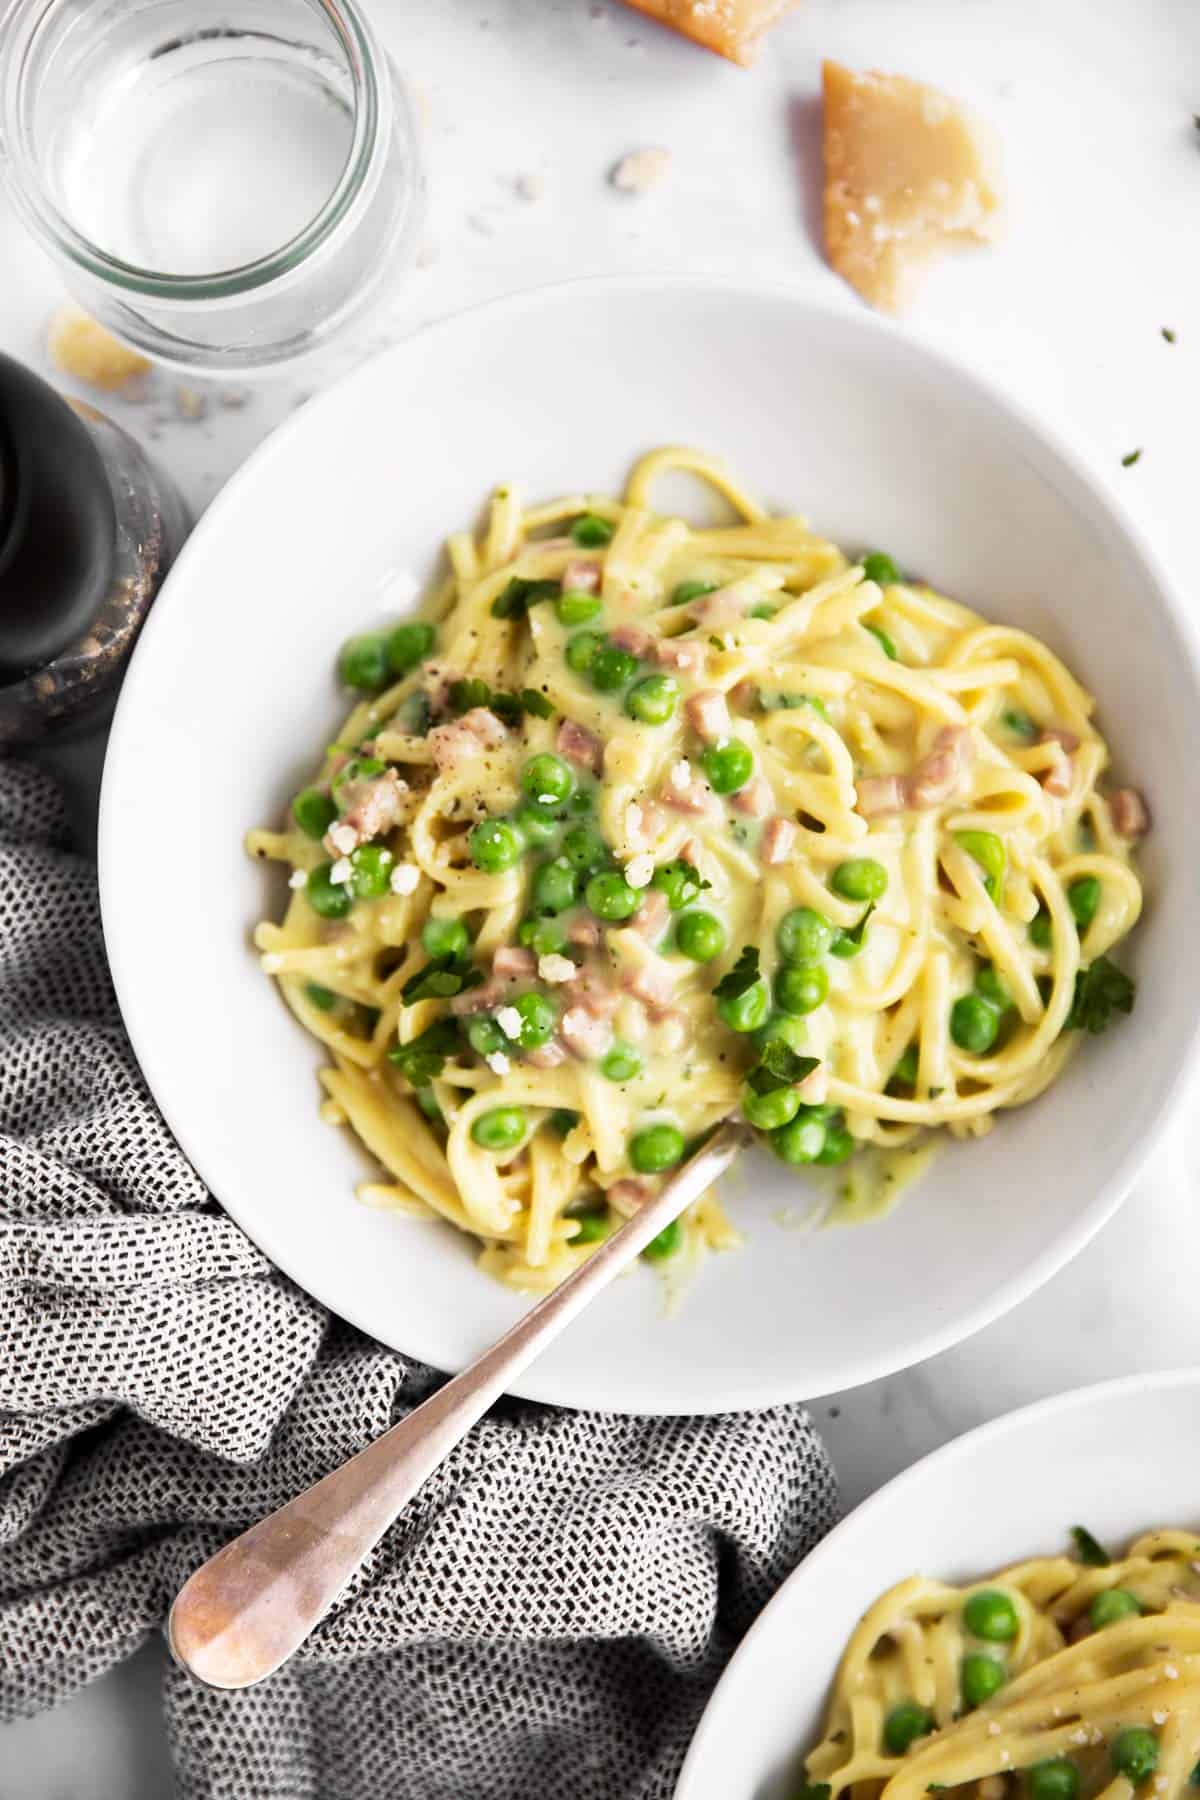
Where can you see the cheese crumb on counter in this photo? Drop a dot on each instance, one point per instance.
(84, 349)
(641, 170)
(908, 173)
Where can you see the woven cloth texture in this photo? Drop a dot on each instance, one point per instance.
(547, 1618)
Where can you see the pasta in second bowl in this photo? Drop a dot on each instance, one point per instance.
(642, 822)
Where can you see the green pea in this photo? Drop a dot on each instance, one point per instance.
(593, 1227)
(771, 1110)
(503, 1128)
(485, 1036)
(728, 765)
(590, 531)
(989, 984)
(846, 946)
(408, 645)
(331, 899)
(547, 779)
(427, 1101)
(803, 935)
(838, 1147)
(622, 1063)
(763, 611)
(1113, 1605)
(700, 935)
(585, 849)
(1041, 931)
(981, 1678)
(536, 824)
(782, 1028)
(801, 1141)
(562, 1120)
(359, 768)
(574, 607)
(495, 845)
(991, 1615)
(886, 644)
(989, 852)
(879, 568)
(610, 896)
(1055, 1779)
(610, 668)
(653, 699)
(904, 1725)
(861, 878)
(444, 937)
(687, 591)
(372, 867)
(1134, 1753)
(545, 937)
(668, 1241)
(314, 812)
(748, 1010)
(679, 882)
(1083, 896)
(905, 1072)
(655, 1148)
(539, 1016)
(554, 886)
(363, 662)
(581, 649)
(1019, 724)
(323, 998)
(582, 801)
(801, 990)
(974, 1023)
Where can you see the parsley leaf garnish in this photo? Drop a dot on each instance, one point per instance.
(468, 693)
(1100, 991)
(743, 975)
(533, 702)
(1131, 456)
(426, 1055)
(1090, 1551)
(516, 599)
(471, 691)
(780, 1066)
(439, 980)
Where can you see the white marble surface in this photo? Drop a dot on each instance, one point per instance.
(1094, 99)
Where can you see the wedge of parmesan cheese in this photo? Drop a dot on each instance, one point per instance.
(908, 173)
(732, 28)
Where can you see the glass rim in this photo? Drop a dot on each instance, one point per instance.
(18, 34)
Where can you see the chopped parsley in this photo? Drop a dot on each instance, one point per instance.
(1131, 456)
(517, 598)
(743, 975)
(1100, 991)
(1168, 334)
(780, 1066)
(1091, 1551)
(426, 1055)
(440, 979)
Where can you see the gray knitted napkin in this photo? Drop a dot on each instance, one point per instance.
(548, 1617)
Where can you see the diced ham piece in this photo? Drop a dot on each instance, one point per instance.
(695, 796)
(939, 776)
(1052, 735)
(755, 799)
(633, 638)
(513, 962)
(650, 919)
(369, 808)
(593, 991)
(478, 999)
(628, 1195)
(708, 715)
(476, 731)
(585, 1034)
(879, 794)
(652, 982)
(584, 932)
(686, 655)
(580, 746)
(1059, 778)
(1130, 814)
(546, 1056)
(722, 607)
(581, 576)
(745, 694)
(778, 840)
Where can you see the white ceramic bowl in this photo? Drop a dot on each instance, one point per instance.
(1121, 1458)
(880, 441)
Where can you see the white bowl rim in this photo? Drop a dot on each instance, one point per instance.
(849, 1531)
(737, 1392)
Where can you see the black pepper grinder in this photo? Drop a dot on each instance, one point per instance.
(88, 530)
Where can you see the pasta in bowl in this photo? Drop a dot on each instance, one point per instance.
(641, 823)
